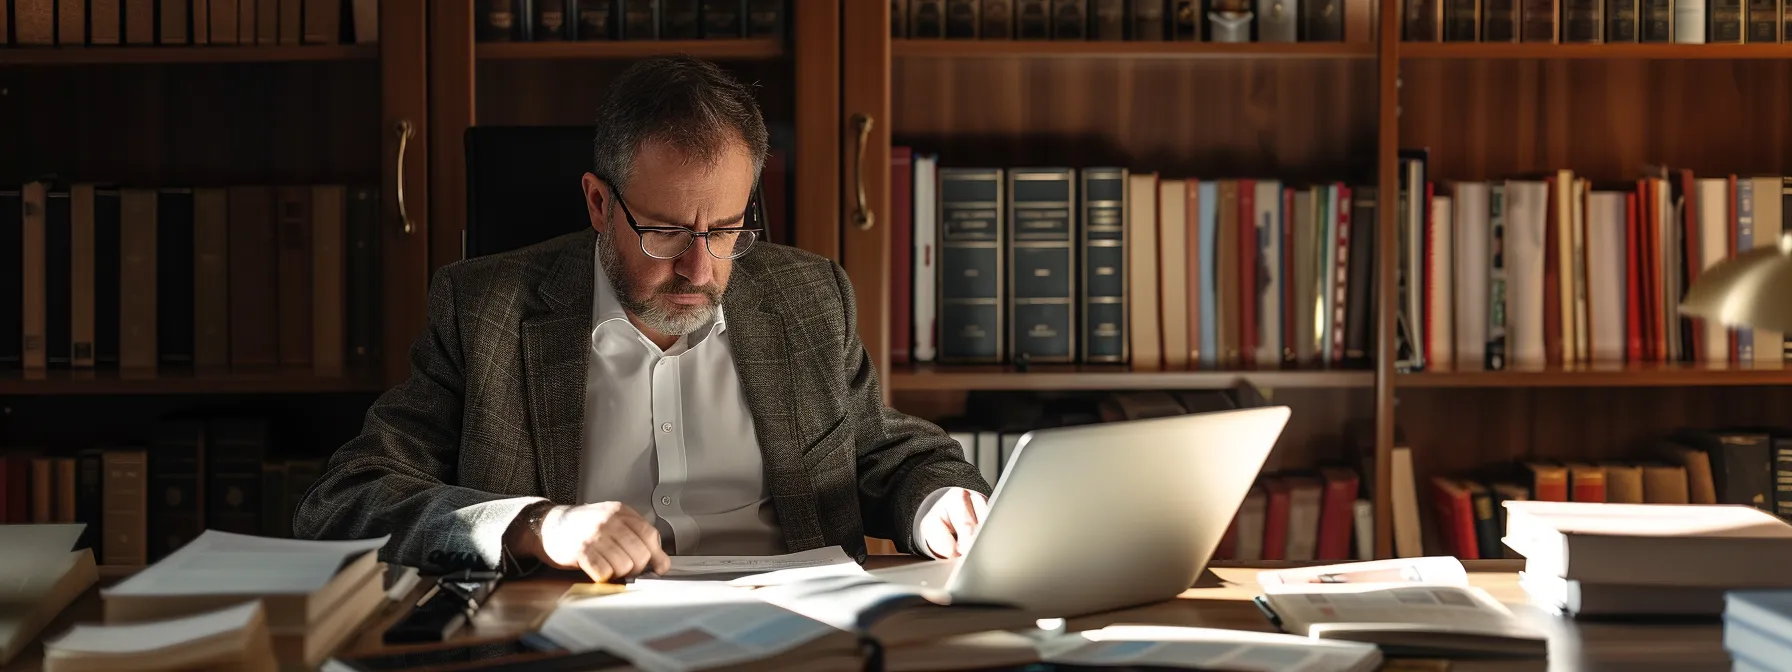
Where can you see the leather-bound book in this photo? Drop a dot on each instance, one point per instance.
(1538, 20)
(927, 19)
(1462, 20)
(1322, 20)
(234, 451)
(176, 498)
(765, 18)
(137, 281)
(211, 278)
(12, 277)
(124, 504)
(105, 22)
(174, 277)
(640, 19)
(971, 269)
(34, 22)
(1070, 20)
(1042, 267)
(1584, 20)
(596, 19)
(1763, 21)
(71, 23)
(680, 20)
(1107, 20)
(1621, 20)
(1032, 19)
(724, 19)
(1724, 21)
(225, 28)
(996, 20)
(58, 276)
(83, 198)
(329, 240)
(107, 269)
(323, 21)
(254, 278)
(292, 206)
(1499, 20)
(1104, 337)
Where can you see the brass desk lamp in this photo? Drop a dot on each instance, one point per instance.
(1752, 289)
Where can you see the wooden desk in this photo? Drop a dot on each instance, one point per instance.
(1574, 646)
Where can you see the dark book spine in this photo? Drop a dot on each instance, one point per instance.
(1042, 265)
(1322, 21)
(1146, 21)
(1499, 20)
(1462, 20)
(363, 279)
(501, 20)
(970, 269)
(927, 18)
(961, 19)
(89, 490)
(1724, 21)
(1361, 294)
(898, 19)
(765, 18)
(1487, 526)
(1496, 280)
(1782, 477)
(1742, 467)
(1276, 21)
(1763, 21)
(234, 451)
(1070, 20)
(12, 278)
(1107, 20)
(1658, 20)
(106, 266)
(176, 504)
(174, 277)
(1583, 21)
(1104, 338)
(996, 20)
(680, 20)
(548, 20)
(58, 277)
(640, 19)
(1539, 20)
(597, 20)
(1620, 20)
(724, 19)
(1032, 19)
(1424, 20)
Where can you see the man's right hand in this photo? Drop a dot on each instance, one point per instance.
(608, 540)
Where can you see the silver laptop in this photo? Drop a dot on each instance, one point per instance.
(1099, 517)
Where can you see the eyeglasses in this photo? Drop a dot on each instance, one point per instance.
(668, 242)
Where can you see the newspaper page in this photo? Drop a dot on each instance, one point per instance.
(1434, 569)
(678, 630)
(1207, 649)
(1315, 608)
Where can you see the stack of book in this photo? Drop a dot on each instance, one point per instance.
(315, 593)
(1600, 559)
(42, 576)
(1758, 629)
(231, 638)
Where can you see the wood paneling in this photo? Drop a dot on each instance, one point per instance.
(1109, 377)
(567, 92)
(404, 49)
(865, 171)
(817, 155)
(450, 115)
(1605, 119)
(936, 48)
(1295, 119)
(193, 124)
(194, 54)
(710, 49)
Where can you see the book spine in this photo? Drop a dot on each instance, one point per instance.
(1103, 248)
(235, 449)
(1499, 21)
(137, 279)
(596, 20)
(174, 277)
(962, 19)
(1621, 20)
(176, 501)
(679, 20)
(1107, 19)
(12, 278)
(765, 18)
(1782, 477)
(211, 278)
(971, 287)
(58, 277)
(996, 20)
(124, 506)
(1070, 20)
(83, 198)
(927, 18)
(1321, 20)
(1462, 20)
(902, 254)
(1764, 21)
(1042, 266)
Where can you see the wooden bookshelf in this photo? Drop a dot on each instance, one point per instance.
(275, 380)
(917, 48)
(100, 55)
(926, 378)
(1534, 51)
(1601, 375)
(716, 49)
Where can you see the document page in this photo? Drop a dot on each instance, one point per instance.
(1308, 608)
(40, 540)
(711, 566)
(679, 630)
(1207, 649)
(227, 563)
(1437, 569)
(154, 635)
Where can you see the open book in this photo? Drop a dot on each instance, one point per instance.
(892, 613)
(42, 577)
(700, 628)
(1153, 646)
(1404, 619)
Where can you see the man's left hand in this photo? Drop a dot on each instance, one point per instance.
(948, 528)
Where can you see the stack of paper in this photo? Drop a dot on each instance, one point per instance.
(700, 628)
(1148, 646)
(40, 577)
(316, 593)
(233, 638)
(1598, 559)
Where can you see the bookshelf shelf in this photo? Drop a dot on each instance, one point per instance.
(1610, 375)
(928, 48)
(925, 378)
(196, 54)
(741, 49)
(1506, 50)
(277, 380)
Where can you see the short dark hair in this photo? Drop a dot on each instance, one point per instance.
(686, 102)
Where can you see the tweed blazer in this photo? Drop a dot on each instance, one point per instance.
(491, 418)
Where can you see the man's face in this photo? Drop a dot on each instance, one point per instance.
(672, 296)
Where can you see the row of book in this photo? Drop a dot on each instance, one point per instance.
(1109, 20)
(1111, 265)
(1552, 270)
(102, 23)
(564, 20)
(141, 502)
(206, 278)
(1597, 21)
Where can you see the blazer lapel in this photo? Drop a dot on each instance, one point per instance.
(762, 360)
(556, 345)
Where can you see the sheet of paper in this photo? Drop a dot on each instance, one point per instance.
(50, 540)
(707, 566)
(1207, 649)
(676, 630)
(143, 637)
(1435, 569)
(1443, 608)
(759, 580)
(226, 563)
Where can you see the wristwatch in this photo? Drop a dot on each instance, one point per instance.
(532, 517)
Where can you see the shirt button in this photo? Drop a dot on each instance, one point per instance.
(667, 500)
(667, 427)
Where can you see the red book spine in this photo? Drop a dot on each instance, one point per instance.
(1248, 285)
(1455, 519)
(1633, 319)
(1336, 513)
(1275, 520)
(1552, 288)
(902, 267)
(1342, 273)
(1694, 347)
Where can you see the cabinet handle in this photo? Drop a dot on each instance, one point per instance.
(862, 217)
(405, 131)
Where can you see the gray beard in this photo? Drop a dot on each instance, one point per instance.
(674, 320)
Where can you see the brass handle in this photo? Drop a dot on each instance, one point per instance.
(862, 217)
(405, 131)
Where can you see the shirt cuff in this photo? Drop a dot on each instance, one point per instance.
(484, 525)
(921, 514)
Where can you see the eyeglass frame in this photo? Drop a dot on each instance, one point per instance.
(755, 211)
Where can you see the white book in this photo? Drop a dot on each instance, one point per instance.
(1606, 259)
(1471, 237)
(1143, 308)
(1172, 260)
(1713, 203)
(1563, 200)
(926, 215)
(1525, 211)
(1267, 202)
(1769, 345)
(1689, 21)
(1408, 539)
(1722, 545)
(1440, 320)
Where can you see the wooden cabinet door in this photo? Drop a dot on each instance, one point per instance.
(865, 171)
(404, 184)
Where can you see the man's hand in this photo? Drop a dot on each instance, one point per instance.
(948, 528)
(608, 540)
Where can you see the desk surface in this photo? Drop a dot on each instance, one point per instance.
(1574, 646)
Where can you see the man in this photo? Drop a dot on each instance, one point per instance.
(663, 383)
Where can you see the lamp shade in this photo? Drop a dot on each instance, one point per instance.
(1752, 289)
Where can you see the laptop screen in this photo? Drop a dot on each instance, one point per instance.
(523, 185)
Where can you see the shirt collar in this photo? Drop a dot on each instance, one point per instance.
(607, 309)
